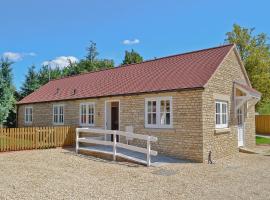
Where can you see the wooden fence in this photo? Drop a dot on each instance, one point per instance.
(15, 139)
(263, 124)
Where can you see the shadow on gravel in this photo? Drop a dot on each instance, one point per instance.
(100, 158)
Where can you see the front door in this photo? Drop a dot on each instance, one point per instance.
(240, 123)
(112, 117)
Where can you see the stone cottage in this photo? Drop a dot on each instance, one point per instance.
(193, 102)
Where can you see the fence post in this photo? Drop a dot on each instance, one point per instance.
(114, 145)
(77, 140)
(148, 151)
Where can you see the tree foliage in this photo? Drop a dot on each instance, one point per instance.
(132, 57)
(90, 63)
(7, 90)
(255, 53)
(92, 52)
(31, 82)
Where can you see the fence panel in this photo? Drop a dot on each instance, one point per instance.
(263, 124)
(15, 139)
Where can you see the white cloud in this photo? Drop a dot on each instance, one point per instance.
(131, 42)
(14, 56)
(61, 62)
(30, 54)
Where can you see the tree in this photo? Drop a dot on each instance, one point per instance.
(7, 100)
(31, 82)
(255, 53)
(92, 52)
(132, 57)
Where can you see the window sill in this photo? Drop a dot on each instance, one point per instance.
(222, 130)
(87, 125)
(168, 129)
(57, 124)
(158, 127)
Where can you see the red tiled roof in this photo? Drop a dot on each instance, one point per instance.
(182, 71)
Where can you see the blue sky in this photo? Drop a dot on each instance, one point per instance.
(35, 31)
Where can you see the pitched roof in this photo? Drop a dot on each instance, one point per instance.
(182, 71)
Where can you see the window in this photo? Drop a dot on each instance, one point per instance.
(158, 112)
(221, 114)
(87, 114)
(28, 115)
(58, 114)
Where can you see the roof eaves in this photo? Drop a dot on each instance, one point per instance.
(115, 95)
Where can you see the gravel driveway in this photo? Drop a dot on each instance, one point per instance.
(60, 174)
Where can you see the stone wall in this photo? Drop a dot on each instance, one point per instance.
(184, 140)
(225, 142)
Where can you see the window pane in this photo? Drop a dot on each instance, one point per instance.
(83, 114)
(83, 109)
(90, 119)
(168, 119)
(217, 108)
(89, 109)
(154, 118)
(217, 118)
(154, 108)
(168, 106)
(61, 110)
(162, 118)
(162, 106)
(149, 121)
(224, 119)
(55, 110)
(149, 106)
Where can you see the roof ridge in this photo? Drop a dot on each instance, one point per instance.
(150, 60)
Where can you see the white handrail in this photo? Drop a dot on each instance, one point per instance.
(116, 144)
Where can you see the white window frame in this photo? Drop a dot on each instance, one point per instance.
(222, 125)
(87, 115)
(26, 115)
(158, 113)
(58, 114)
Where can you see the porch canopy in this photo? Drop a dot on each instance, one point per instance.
(243, 93)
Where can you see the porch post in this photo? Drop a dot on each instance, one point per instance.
(148, 151)
(77, 140)
(114, 145)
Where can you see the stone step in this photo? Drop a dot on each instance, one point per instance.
(246, 150)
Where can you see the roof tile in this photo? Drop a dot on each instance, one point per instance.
(182, 71)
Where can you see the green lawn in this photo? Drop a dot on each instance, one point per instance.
(262, 140)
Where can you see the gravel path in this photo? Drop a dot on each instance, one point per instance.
(60, 174)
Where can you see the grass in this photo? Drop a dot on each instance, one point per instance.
(262, 140)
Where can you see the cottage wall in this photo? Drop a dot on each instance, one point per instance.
(183, 140)
(223, 143)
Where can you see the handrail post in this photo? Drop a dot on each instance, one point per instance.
(148, 152)
(114, 145)
(77, 140)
